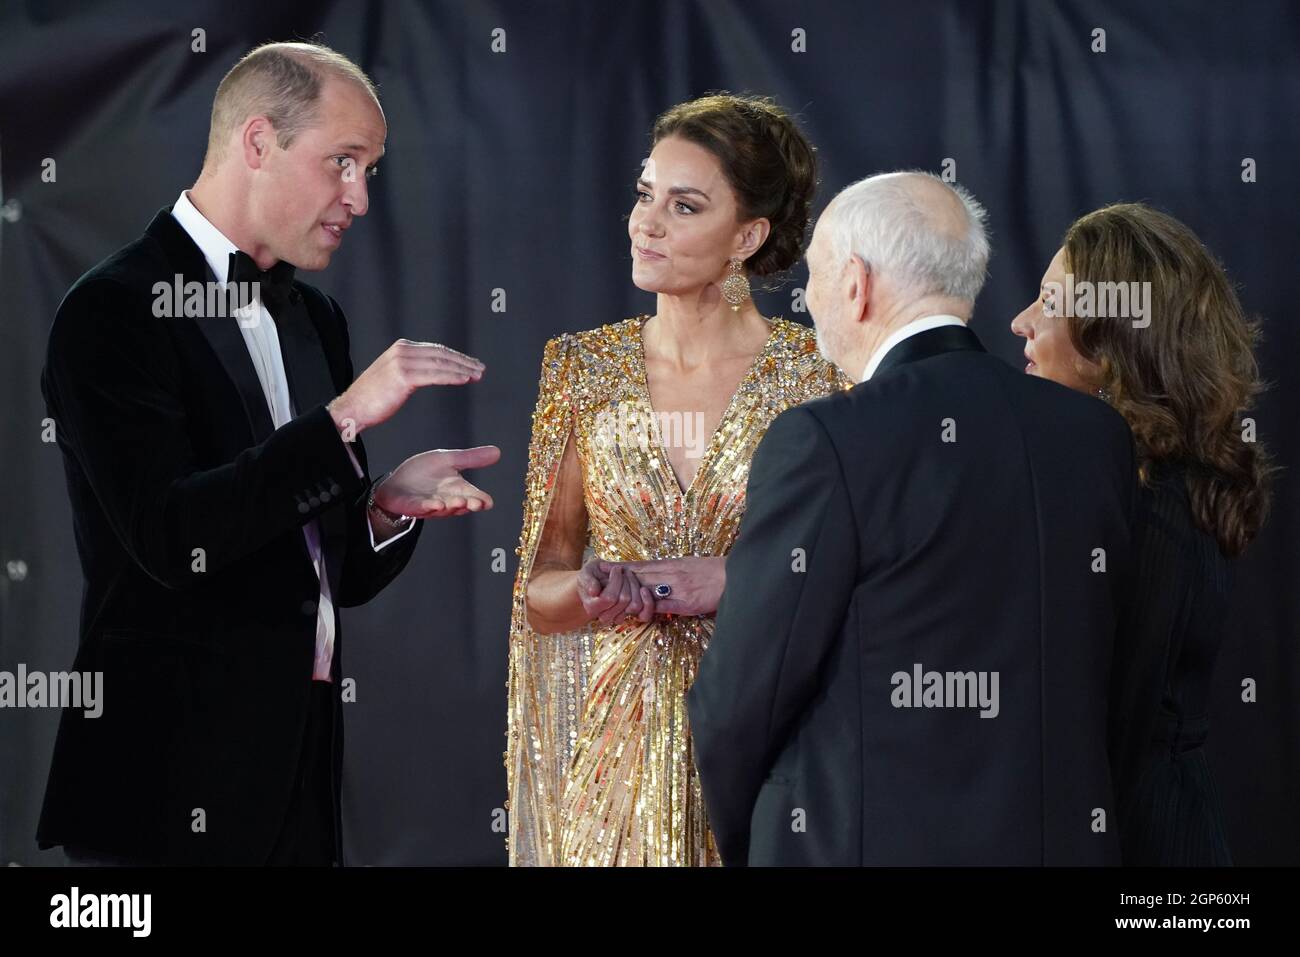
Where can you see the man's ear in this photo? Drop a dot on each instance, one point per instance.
(751, 238)
(858, 281)
(256, 141)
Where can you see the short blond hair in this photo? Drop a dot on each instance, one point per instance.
(281, 81)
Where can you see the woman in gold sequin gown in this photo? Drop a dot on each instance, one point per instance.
(642, 438)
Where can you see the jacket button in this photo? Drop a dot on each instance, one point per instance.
(309, 607)
(335, 490)
(324, 497)
(304, 507)
(314, 501)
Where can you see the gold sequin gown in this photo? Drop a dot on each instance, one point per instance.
(599, 763)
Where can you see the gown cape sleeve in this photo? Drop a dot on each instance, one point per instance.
(547, 673)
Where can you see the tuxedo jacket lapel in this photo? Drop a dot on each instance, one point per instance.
(305, 365)
(310, 385)
(223, 333)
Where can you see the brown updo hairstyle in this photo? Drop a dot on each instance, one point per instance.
(767, 160)
(1182, 381)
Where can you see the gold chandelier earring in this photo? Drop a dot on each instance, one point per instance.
(735, 288)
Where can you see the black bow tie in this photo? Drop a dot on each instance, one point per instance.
(275, 284)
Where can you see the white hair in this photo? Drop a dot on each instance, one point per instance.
(880, 219)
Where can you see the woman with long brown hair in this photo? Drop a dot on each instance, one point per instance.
(1177, 362)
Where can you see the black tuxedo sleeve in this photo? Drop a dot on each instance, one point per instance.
(790, 577)
(115, 386)
(366, 572)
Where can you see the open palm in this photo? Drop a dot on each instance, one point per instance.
(429, 485)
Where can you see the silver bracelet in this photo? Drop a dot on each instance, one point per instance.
(394, 522)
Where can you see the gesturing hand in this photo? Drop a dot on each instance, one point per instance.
(429, 485)
(392, 378)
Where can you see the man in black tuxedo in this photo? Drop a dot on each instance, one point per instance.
(205, 404)
(911, 655)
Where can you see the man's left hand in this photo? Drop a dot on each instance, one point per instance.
(429, 485)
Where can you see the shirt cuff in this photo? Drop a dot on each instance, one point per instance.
(388, 541)
(369, 524)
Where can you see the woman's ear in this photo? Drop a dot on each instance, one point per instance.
(1097, 376)
(751, 238)
(1090, 372)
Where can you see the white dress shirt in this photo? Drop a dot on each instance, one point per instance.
(924, 324)
(264, 349)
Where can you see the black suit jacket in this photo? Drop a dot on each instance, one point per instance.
(207, 655)
(945, 513)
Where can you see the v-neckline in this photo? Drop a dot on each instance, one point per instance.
(660, 450)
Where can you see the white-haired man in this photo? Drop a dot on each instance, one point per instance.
(206, 408)
(911, 656)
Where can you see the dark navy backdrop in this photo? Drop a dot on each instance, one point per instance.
(512, 170)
